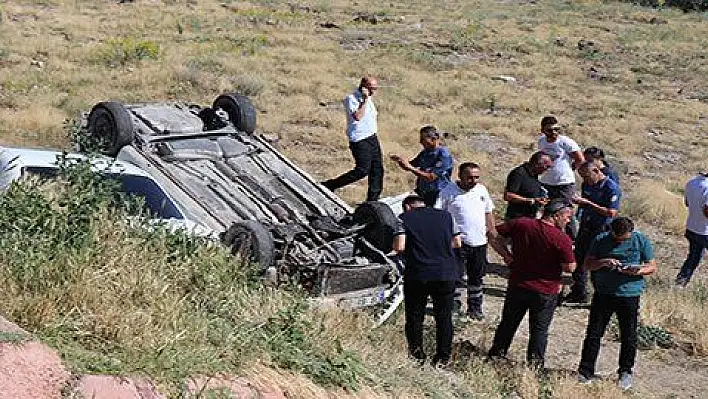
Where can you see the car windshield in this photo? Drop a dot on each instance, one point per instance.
(155, 200)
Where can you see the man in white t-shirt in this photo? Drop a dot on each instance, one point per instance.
(696, 198)
(471, 208)
(565, 153)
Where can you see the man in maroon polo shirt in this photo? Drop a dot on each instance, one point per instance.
(540, 253)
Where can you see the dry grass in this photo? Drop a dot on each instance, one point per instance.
(647, 108)
(651, 201)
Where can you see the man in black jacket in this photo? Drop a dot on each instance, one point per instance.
(426, 240)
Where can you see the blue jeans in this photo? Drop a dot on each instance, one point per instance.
(697, 245)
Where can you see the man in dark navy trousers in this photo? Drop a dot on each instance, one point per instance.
(426, 239)
(597, 206)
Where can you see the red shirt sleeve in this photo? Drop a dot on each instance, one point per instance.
(565, 245)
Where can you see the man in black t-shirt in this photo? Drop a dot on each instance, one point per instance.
(524, 193)
(426, 240)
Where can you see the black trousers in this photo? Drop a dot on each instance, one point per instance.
(601, 309)
(473, 261)
(566, 192)
(415, 294)
(368, 162)
(582, 246)
(540, 307)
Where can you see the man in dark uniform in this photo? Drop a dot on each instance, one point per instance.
(432, 166)
(426, 239)
(524, 193)
(596, 154)
(597, 207)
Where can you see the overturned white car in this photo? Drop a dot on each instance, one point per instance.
(224, 176)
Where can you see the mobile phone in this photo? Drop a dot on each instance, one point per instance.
(365, 91)
(628, 266)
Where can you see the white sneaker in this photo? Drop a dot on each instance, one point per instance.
(624, 382)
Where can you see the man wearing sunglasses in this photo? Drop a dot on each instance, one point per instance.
(565, 153)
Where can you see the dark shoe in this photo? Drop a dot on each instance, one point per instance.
(440, 362)
(456, 306)
(585, 380)
(681, 282)
(575, 298)
(476, 315)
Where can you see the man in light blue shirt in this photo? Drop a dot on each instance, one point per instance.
(363, 142)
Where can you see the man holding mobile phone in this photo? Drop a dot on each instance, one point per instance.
(363, 142)
(618, 261)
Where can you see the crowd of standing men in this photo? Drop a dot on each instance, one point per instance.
(550, 228)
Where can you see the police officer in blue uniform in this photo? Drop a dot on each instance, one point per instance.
(597, 207)
(432, 166)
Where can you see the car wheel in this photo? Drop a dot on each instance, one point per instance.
(380, 221)
(111, 125)
(240, 110)
(251, 240)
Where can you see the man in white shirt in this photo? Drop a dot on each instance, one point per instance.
(565, 153)
(471, 208)
(363, 142)
(696, 199)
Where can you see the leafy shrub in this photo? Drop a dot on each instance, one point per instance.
(119, 52)
(119, 295)
(290, 341)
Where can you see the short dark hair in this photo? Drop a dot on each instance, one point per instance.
(589, 165)
(430, 132)
(594, 152)
(556, 205)
(465, 165)
(622, 225)
(536, 157)
(413, 199)
(548, 120)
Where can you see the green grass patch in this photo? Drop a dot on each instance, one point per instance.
(127, 50)
(118, 297)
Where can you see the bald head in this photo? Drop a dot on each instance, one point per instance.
(370, 83)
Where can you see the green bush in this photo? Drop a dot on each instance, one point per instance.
(119, 52)
(117, 294)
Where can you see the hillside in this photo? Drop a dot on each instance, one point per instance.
(629, 79)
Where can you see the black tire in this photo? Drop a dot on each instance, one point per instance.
(240, 110)
(253, 241)
(381, 224)
(110, 124)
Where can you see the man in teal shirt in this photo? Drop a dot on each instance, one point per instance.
(618, 261)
